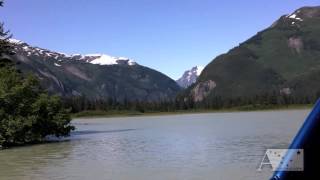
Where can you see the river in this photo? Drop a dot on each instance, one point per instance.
(208, 146)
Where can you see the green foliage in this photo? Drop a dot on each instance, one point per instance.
(285, 55)
(28, 114)
(5, 47)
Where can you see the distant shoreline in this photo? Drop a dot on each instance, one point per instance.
(131, 113)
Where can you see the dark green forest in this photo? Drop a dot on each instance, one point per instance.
(183, 103)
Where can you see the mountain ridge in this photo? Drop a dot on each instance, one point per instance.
(277, 60)
(95, 76)
(101, 59)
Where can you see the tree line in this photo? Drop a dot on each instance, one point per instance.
(186, 102)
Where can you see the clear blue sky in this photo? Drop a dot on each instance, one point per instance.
(167, 35)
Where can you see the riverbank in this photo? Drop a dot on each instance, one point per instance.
(129, 113)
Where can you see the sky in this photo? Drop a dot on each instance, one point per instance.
(170, 36)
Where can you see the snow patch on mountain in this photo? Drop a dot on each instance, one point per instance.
(15, 41)
(294, 16)
(99, 59)
(199, 70)
(104, 59)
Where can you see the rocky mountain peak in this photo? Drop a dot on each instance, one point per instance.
(190, 76)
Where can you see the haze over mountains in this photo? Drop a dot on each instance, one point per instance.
(283, 59)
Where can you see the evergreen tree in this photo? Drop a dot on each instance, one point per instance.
(27, 113)
(5, 35)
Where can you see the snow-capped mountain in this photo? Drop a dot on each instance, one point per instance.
(101, 59)
(190, 76)
(95, 76)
